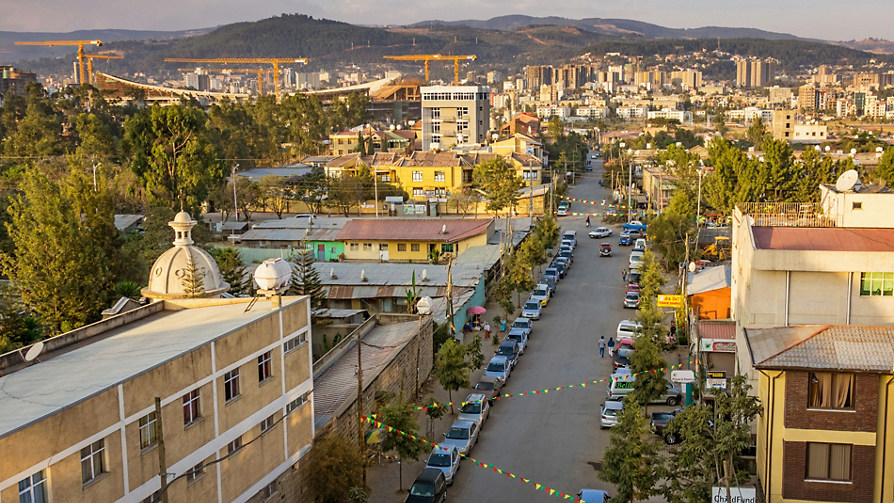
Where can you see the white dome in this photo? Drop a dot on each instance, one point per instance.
(168, 277)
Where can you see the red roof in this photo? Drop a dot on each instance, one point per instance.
(393, 229)
(823, 239)
(717, 329)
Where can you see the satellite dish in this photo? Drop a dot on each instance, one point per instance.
(847, 180)
(692, 267)
(34, 352)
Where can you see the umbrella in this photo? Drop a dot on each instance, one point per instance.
(476, 310)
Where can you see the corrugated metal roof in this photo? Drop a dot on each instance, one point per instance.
(485, 255)
(717, 329)
(303, 222)
(712, 278)
(412, 229)
(837, 347)
(289, 171)
(124, 221)
(291, 235)
(822, 238)
(393, 274)
(338, 384)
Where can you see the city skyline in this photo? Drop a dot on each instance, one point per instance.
(827, 20)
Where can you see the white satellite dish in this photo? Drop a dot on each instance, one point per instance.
(33, 352)
(847, 180)
(692, 267)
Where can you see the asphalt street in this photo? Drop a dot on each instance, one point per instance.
(554, 439)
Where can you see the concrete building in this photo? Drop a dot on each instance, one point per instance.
(454, 115)
(862, 206)
(219, 394)
(783, 124)
(412, 240)
(553, 111)
(780, 95)
(826, 433)
(283, 237)
(809, 133)
(754, 72)
(671, 114)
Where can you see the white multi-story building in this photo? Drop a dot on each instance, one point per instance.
(671, 114)
(632, 112)
(454, 115)
(553, 111)
(593, 112)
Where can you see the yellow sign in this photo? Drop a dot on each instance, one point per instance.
(673, 301)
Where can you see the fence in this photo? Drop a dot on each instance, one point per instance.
(784, 214)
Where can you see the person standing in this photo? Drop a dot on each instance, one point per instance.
(486, 330)
(602, 346)
(611, 347)
(588, 220)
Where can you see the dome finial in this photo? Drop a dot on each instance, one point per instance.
(182, 225)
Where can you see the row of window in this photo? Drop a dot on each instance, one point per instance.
(454, 96)
(877, 284)
(33, 489)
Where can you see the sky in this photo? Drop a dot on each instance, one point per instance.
(821, 19)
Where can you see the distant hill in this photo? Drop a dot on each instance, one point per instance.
(612, 27)
(9, 52)
(873, 45)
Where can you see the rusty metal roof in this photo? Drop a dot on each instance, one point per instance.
(710, 329)
(418, 229)
(823, 347)
(823, 239)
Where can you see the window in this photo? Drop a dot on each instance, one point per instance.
(33, 489)
(435, 113)
(367, 246)
(417, 192)
(191, 407)
(195, 473)
(293, 343)
(436, 127)
(828, 461)
(385, 178)
(447, 248)
(268, 423)
(877, 283)
(383, 246)
(268, 490)
(148, 431)
(231, 384)
(235, 445)
(93, 461)
(153, 498)
(439, 176)
(462, 111)
(298, 402)
(436, 138)
(401, 247)
(417, 176)
(264, 367)
(414, 247)
(830, 390)
(354, 247)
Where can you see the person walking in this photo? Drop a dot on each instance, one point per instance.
(611, 347)
(588, 220)
(602, 346)
(623, 274)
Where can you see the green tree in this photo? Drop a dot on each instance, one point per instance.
(500, 183)
(17, 327)
(399, 414)
(451, 368)
(885, 169)
(632, 461)
(713, 439)
(337, 467)
(193, 280)
(232, 269)
(757, 131)
(434, 410)
(248, 195)
(473, 352)
(274, 194)
(305, 278)
(646, 360)
(129, 289)
(345, 192)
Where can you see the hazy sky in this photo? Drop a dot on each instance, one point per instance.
(823, 19)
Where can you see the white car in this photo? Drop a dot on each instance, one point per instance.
(636, 260)
(474, 408)
(600, 232)
(498, 367)
(628, 329)
(519, 337)
(531, 309)
(639, 245)
(563, 211)
(444, 458)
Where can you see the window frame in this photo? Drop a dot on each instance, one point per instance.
(297, 403)
(93, 455)
(195, 473)
(401, 247)
(414, 247)
(294, 343)
(235, 445)
(440, 176)
(148, 429)
(417, 176)
(34, 486)
(884, 280)
(367, 247)
(265, 367)
(231, 385)
(813, 382)
(268, 423)
(828, 477)
(192, 410)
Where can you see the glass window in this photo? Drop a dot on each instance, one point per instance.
(830, 390)
(439, 176)
(877, 284)
(417, 176)
(414, 247)
(383, 246)
(828, 461)
(436, 138)
(354, 247)
(235, 445)
(231, 385)
(447, 248)
(298, 402)
(93, 461)
(148, 431)
(191, 407)
(268, 423)
(401, 247)
(367, 246)
(265, 370)
(291, 344)
(195, 473)
(417, 192)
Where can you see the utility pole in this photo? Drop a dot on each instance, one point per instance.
(629, 187)
(235, 204)
(162, 465)
(376, 187)
(360, 443)
(530, 194)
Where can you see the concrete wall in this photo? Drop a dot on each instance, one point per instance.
(857, 209)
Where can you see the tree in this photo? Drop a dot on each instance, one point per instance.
(399, 415)
(632, 461)
(232, 269)
(65, 249)
(885, 169)
(451, 368)
(757, 131)
(305, 278)
(337, 468)
(434, 410)
(17, 327)
(345, 192)
(129, 289)
(646, 361)
(273, 193)
(500, 183)
(193, 280)
(713, 439)
(473, 351)
(248, 195)
(465, 200)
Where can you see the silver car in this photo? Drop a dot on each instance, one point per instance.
(498, 367)
(444, 458)
(462, 436)
(474, 408)
(524, 324)
(532, 309)
(610, 411)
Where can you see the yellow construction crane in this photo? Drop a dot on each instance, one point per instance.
(79, 43)
(427, 58)
(259, 71)
(267, 61)
(91, 57)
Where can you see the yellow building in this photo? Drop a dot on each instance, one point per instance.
(233, 387)
(827, 431)
(412, 240)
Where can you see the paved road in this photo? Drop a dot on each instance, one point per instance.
(554, 439)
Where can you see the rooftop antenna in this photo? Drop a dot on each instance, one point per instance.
(33, 352)
(847, 181)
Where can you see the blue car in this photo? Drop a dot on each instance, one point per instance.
(625, 239)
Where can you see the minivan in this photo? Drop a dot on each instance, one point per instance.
(430, 487)
(622, 384)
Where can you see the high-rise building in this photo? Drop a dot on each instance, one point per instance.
(454, 115)
(687, 79)
(198, 81)
(538, 75)
(754, 72)
(808, 97)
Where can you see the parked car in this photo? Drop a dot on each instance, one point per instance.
(636, 260)
(509, 349)
(600, 232)
(520, 338)
(541, 294)
(430, 487)
(659, 424)
(523, 324)
(559, 266)
(474, 408)
(593, 495)
(639, 245)
(532, 309)
(631, 300)
(632, 287)
(462, 435)
(568, 255)
(628, 328)
(621, 361)
(625, 347)
(550, 281)
(570, 243)
(563, 211)
(498, 367)
(625, 239)
(633, 277)
(610, 411)
(489, 386)
(570, 236)
(605, 250)
(552, 271)
(444, 458)
(621, 385)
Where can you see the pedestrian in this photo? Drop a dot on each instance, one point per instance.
(588, 220)
(623, 274)
(486, 330)
(602, 346)
(673, 333)
(611, 347)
